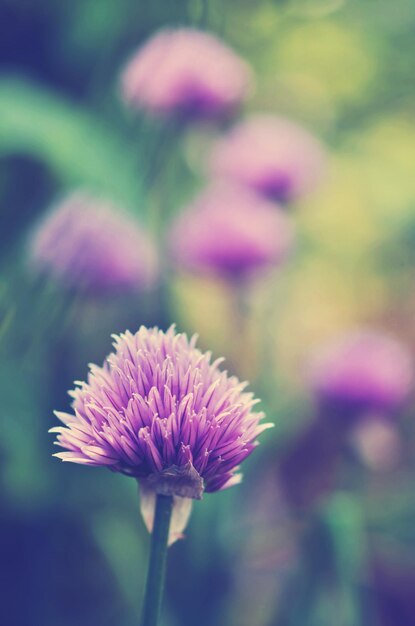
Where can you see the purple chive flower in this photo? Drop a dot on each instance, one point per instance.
(159, 410)
(86, 243)
(185, 72)
(271, 155)
(365, 370)
(231, 232)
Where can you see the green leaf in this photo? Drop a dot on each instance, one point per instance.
(76, 146)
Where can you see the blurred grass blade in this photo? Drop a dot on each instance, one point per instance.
(76, 146)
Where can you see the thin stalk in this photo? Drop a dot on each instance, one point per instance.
(157, 563)
(343, 519)
(242, 357)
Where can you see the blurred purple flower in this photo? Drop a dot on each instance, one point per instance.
(232, 232)
(272, 155)
(87, 244)
(185, 72)
(160, 411)
(363, 369)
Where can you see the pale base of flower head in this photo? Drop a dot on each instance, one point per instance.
(182, 508)
(184, 482)
(185, 485)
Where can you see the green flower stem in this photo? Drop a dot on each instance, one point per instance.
(157, 563)
(345, 525)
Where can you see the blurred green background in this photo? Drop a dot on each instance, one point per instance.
(73, 546)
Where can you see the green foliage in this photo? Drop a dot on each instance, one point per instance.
(78, 148)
